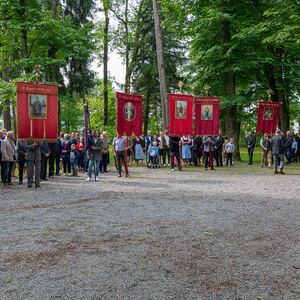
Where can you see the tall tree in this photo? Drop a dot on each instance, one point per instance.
(106, 5)
(161, 63)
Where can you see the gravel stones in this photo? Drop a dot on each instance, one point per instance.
(157, 235)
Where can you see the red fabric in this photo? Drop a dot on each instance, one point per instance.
(127, 126)
(37, 128)
(265, 122)
(211, 125)
(181, 114)
(79, 146)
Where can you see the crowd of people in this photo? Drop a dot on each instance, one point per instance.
(278, 150)
(70, 154)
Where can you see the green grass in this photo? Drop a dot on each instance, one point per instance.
(256, 155)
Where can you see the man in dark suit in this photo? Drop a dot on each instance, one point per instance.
(21, 157)
(45, 153)
(218, 153)
(34, 162)
(288, 147)
(277, 143)
(197, 149)
(52, 156)
(251, 140)
(58, 153)
(175, 152)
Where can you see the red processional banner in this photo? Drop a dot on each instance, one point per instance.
(181, 114)
(37, 111)
(207, 114)
(267, 117)
(129, 114)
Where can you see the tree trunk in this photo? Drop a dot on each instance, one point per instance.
(231, 118)
(6, 112)
(127, 50)
(161, 64)
(24, 39)
(146, 111)
(136, 46)
(276, 83)
(54, 8)
(105, 62)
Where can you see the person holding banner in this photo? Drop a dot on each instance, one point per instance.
(34, 162)
(119, 146)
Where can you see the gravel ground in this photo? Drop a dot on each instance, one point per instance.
(157, 235)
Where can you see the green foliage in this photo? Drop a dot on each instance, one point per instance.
(58, 38)
(260, 47)
(96, 108)
(71, 107)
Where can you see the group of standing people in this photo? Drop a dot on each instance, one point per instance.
(71, 154)
(177, 151)
(278, 150)
(41, 160)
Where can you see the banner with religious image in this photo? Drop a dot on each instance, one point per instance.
(207, 115)
(267, 117)
(129, 114)
(181, 114)
(37, 111)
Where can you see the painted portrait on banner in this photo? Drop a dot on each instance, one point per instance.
(129, 111)
(268, 114)
(37, 106)
(181, 110)
(207, 112)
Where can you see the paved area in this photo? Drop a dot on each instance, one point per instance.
(157, 235)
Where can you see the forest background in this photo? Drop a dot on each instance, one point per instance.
(241, 49)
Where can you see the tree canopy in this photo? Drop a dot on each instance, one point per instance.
(241, 49)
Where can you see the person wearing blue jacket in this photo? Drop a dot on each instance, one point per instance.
(153, 153)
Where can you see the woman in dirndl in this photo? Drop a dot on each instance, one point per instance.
(139, 152)
(186, 150)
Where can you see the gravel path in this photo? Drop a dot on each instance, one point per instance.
(157, 235)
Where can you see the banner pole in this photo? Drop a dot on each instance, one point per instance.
(31, 128)
(44, 129)
(210, 158)
(126, 158)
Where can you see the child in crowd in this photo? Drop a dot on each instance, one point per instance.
(229, 148)
(74, 155)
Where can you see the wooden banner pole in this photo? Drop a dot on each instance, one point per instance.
(126, 158)
(31, 128)
(210, 158)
